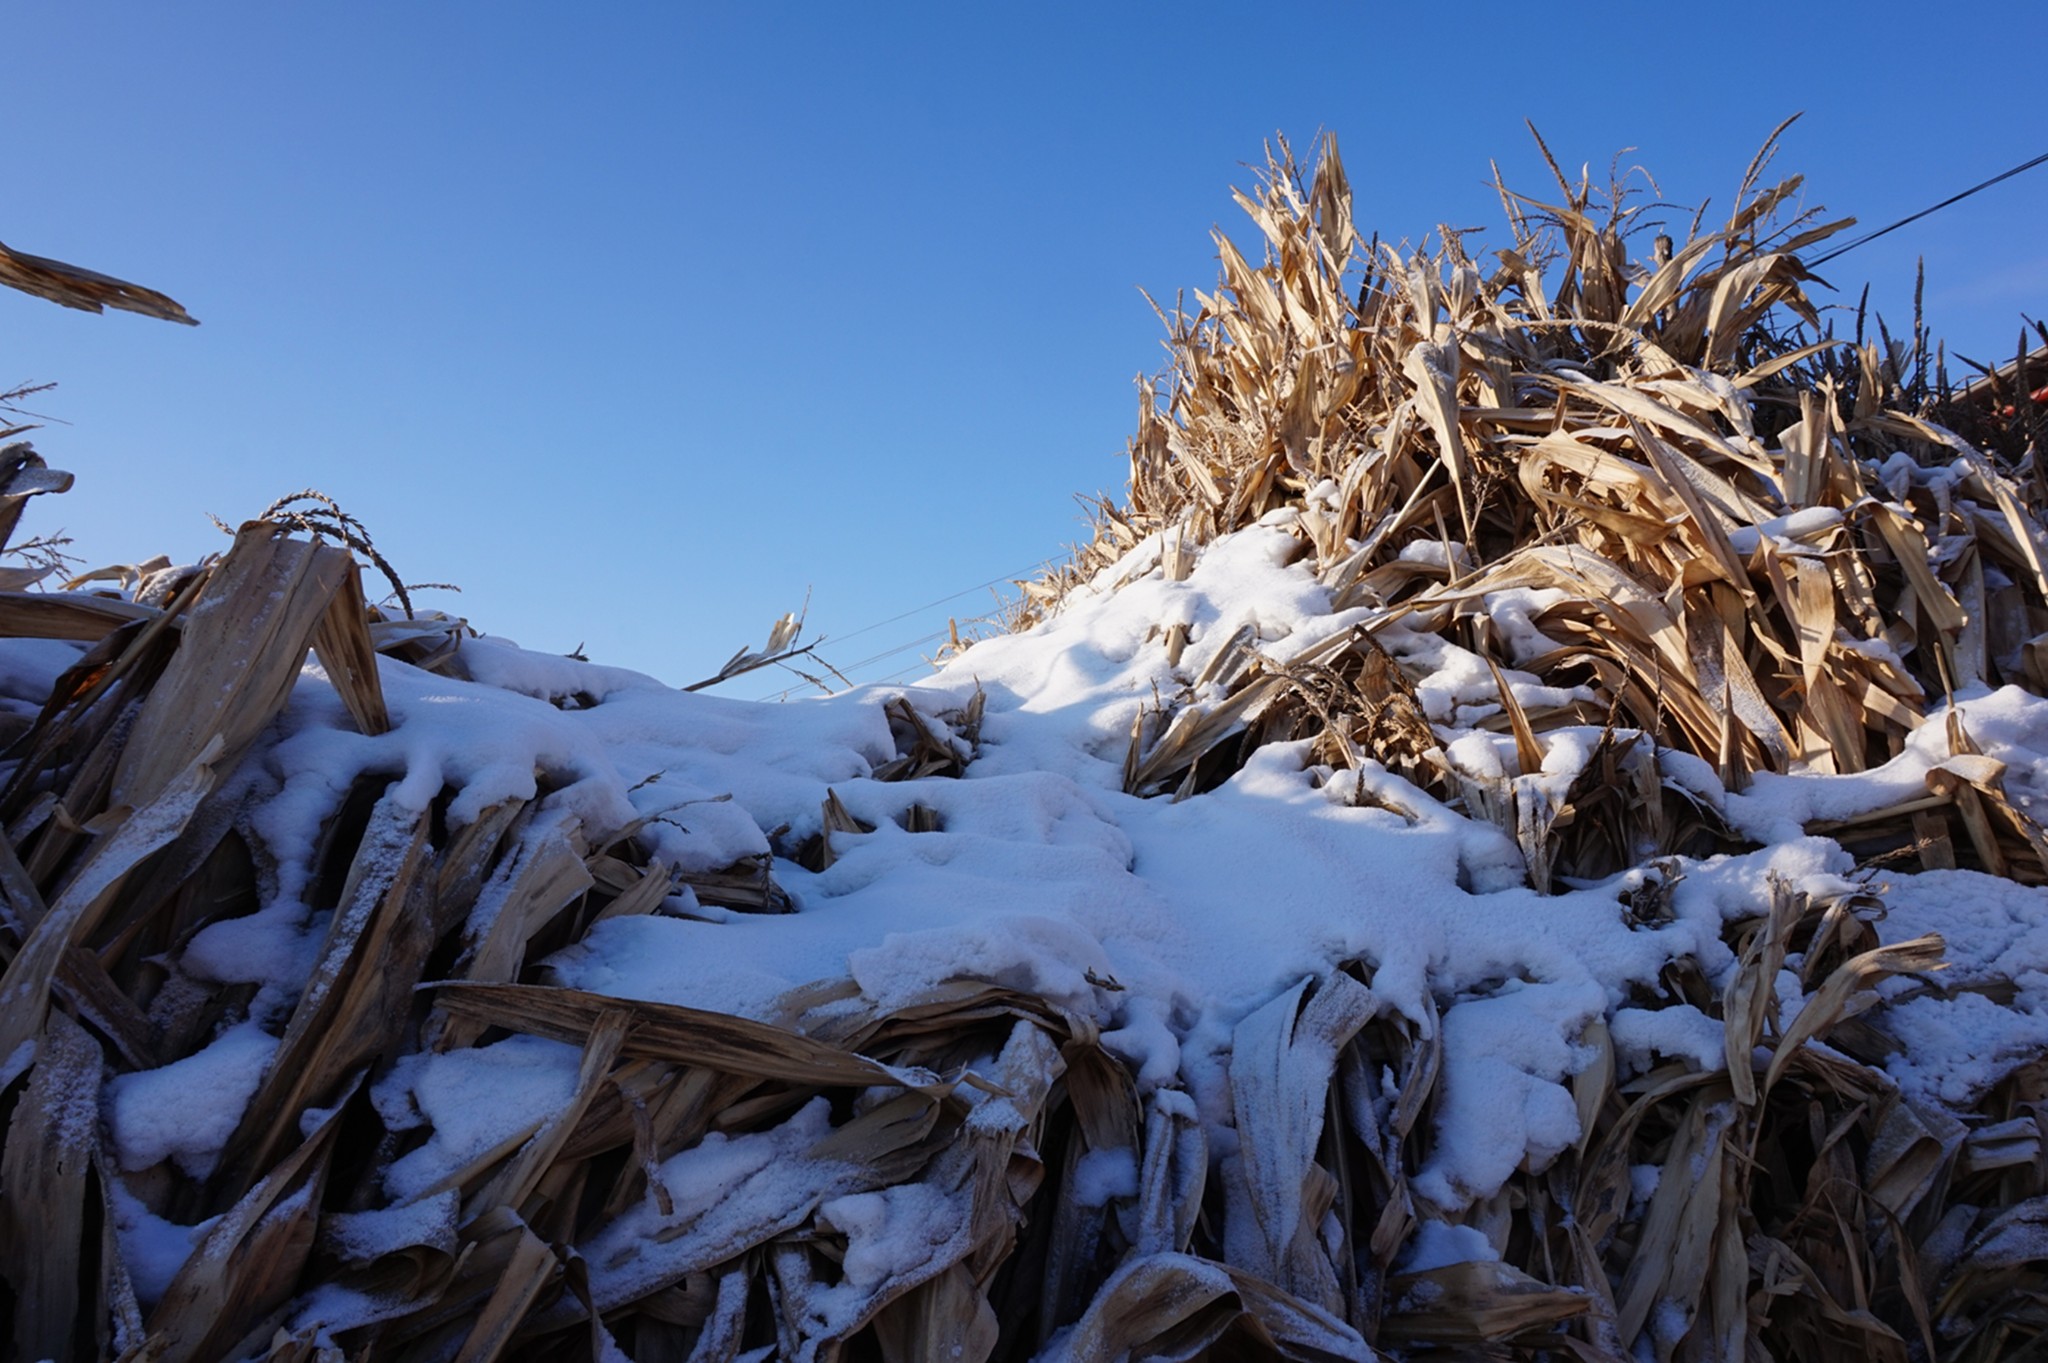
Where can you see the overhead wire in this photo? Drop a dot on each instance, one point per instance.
(879, 681)
(1915, 217)
(789, 691)
(932, 637)
(918, 610)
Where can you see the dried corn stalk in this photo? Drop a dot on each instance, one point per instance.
(1749, 552)
(1730, 563)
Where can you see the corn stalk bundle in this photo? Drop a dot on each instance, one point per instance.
(1753, 544)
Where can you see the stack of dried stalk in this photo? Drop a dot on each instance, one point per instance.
(1758, 547)
(1638, 438)
(1744, 570)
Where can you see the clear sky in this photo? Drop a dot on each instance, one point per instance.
(639, 321)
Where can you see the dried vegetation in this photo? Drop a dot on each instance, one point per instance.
(1758, 544)
(1741, 570)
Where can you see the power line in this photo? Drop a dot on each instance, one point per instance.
(1954, 198)
(854, 667)
(921, 665)
(882, 681)
(788, 691)
(933, 637)
(918, 610)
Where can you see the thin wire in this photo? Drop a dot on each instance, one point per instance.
(880, 681)
(1956, 198)
(915, 610)
(889, 652)
(789, 691)
(786, 692)
(851, 668)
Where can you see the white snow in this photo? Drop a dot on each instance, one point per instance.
(475, 1100)
(1164, 923)
(2009, 723)
(187, 1109)
(1964, 1029)
(1102, 1175)
(152, 1249)
(1439, 1244)
(29, 668)
(1642, 1036)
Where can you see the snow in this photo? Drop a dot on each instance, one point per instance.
(1963, 1030)
(29, 668)
(1642, 1036)
(1642, 1182)
(895, 1237)
(274, 946)
(1439, 1244)
(2008, 722)
(1505, 1103)
(720, 1189)
(1103, 1175)
(186, 1110)
(359, 1237)
(152, 1249)
(1164, 923)
(1803, 531)
(475, 1100)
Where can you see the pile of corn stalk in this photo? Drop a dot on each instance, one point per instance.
(1757, 547)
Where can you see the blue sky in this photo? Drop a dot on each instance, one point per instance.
(639, 321)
